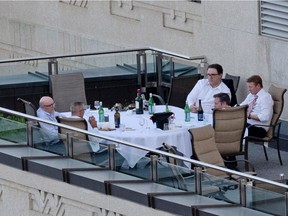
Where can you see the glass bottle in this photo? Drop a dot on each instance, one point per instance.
(187, 112)
(139, 103)
(200, 112)
(151, 104)
(167, 108)
(101, 113)
(117, 118)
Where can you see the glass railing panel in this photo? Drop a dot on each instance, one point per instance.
(180, 177)
(47, 141)
(130, 161)
(101, 65)
(267, 201)
(22, 68)
(220, 188)
(12, 130)
(91, 152)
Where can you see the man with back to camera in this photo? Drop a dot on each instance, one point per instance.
(77, 111)
(47, 111)
(221, 101)
(205, 89)
(260, 108)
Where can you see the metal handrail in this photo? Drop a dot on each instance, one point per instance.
(105, 53)
(198, 163)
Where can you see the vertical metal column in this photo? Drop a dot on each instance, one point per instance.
(111, 155)
(159, 72)
(69, 150)
(154, 166)
(142, 70)
(286, 203)
(29, 130)
(52, 66)
(242, 190)
(198, 180)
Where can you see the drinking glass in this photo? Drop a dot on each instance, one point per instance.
(87, 110)
(142, 122)
(96, 104)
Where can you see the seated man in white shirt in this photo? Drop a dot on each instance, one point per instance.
(260, 108)
(77, 111)
(50, 132)
(205, 89)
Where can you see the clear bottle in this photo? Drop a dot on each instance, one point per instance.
(139, 103)
(151, 104)
(187, 112)
(200, 112)
(117, 118)
(101, 113)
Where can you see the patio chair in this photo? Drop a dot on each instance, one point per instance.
(236, 80)
(180, 88)
(230, 125)
(79, 144)
(204, 149)
(274, 127)
(29, 108)
(66, 89)
(230, 84)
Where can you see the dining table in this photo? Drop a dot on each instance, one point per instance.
(139, 129)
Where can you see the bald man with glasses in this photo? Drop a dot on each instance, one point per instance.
(47, 111)
(205, 89)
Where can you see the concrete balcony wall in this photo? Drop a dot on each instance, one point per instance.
(27, 194)
(225, 31)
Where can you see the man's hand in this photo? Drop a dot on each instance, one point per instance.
(193, 108)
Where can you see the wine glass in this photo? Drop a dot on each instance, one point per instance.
(96, 104)
(142, 122)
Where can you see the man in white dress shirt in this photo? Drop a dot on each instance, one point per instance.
(77, 111)
(260, 109)
(50, 132)
(205, 89)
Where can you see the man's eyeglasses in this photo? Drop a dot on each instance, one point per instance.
(212, 75)
(50, 105)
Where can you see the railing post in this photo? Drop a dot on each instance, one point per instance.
(111, 155)
(29, 127)
(242, 190)
(69, 150)
(142, 69)
(286, 203)
(198, 180)
(154, 167)
(52, 66)
(159, 72)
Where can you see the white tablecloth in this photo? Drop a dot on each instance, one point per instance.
(150, 136)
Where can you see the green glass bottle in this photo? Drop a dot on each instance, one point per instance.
(187, 112)
(151, 104)
(101, 113)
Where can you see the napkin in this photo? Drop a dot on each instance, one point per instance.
(161, 118)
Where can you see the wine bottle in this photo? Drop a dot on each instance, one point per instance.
(200, 112)
(139, 103)
(117, 118)
(101, 113)
(151, 104)
(187, 112)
